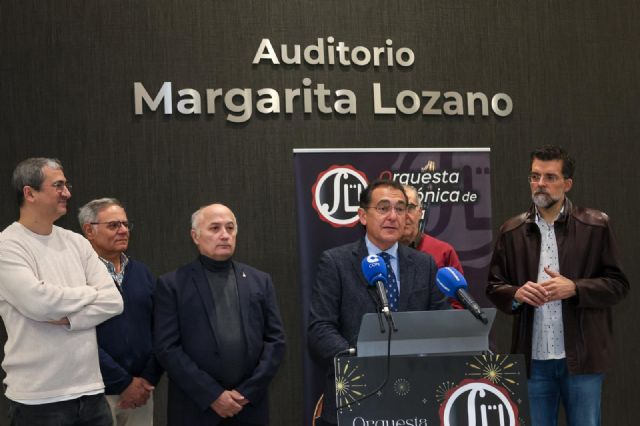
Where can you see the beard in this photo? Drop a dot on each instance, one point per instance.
(542, 200)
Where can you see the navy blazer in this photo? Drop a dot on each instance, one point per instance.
(341, 296)
(186, 345)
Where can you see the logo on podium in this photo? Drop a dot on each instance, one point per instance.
(481, 403)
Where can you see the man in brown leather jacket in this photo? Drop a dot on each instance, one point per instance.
(556, 269)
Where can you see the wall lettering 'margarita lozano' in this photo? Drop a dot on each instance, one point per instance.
(238, 105)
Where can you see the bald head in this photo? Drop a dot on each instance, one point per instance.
(214, 230)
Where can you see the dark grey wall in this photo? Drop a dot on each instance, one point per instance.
(66, 90)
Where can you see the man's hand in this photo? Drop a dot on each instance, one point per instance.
(229, 403)
(239, 398)
(531, 293)
(558, 287)
(136, 394)
(145, 384)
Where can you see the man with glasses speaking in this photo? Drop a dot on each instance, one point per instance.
(53, 293)
(340, 297)
(129, 368)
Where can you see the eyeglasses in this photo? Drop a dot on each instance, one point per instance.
(548, 177)
(384, 208)
(114, 225)
(60, 185)
(412, 207)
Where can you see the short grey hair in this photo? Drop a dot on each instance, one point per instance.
(29, 173)
(195, 218)
(89, 212)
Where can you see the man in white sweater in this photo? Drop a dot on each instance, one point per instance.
(53, 293)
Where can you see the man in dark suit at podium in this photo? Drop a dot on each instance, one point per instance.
(218, 331)
(341, 296)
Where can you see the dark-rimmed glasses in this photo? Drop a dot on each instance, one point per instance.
(384, 208)
(548, 177)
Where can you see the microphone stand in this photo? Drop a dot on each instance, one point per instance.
(379, 310)
(389, 317)
(382, 330)
(392, 328)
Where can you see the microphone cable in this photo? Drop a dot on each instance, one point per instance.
(386, 378)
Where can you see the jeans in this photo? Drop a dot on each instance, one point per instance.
(580, 393)
(89, 410)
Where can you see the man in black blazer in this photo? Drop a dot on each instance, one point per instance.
(340, 296)
(218, 331)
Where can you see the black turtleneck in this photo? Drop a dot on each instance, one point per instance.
(227, 320)
(215, 265)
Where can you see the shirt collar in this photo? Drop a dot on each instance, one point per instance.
(124, 260)
(539, 219)
(373, 249)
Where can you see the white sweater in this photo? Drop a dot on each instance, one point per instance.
(44, 278)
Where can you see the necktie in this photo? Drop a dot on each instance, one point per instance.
(392, 284)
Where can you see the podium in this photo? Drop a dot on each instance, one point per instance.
(452, 331)
(440, 372)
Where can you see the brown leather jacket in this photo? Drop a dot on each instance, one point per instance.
(588, 256)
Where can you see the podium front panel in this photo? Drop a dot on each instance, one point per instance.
(452, 390)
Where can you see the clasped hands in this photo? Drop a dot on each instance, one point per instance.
(229, 403)
(136, 394)
(555, 288)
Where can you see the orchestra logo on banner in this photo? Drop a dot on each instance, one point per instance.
(336, 194)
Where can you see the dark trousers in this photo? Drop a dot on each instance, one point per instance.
(90, 410)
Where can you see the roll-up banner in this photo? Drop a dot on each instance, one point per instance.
(454, 186)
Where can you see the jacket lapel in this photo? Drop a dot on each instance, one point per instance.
(407, 275)
(359, 252)
(201, 284)
(244, 296)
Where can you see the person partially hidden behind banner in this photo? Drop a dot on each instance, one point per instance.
(218, 331)
(556, 268)
(340, 295)
(442, 252)
(129, 368)
(53, 292)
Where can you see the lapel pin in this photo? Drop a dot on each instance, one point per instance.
(244, 275)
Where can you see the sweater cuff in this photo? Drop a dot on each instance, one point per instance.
(118, 387)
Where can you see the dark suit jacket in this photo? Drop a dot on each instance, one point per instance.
(186, 345)
(341, 297)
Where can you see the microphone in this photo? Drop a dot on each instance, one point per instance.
(375, 272)
(451, 282)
